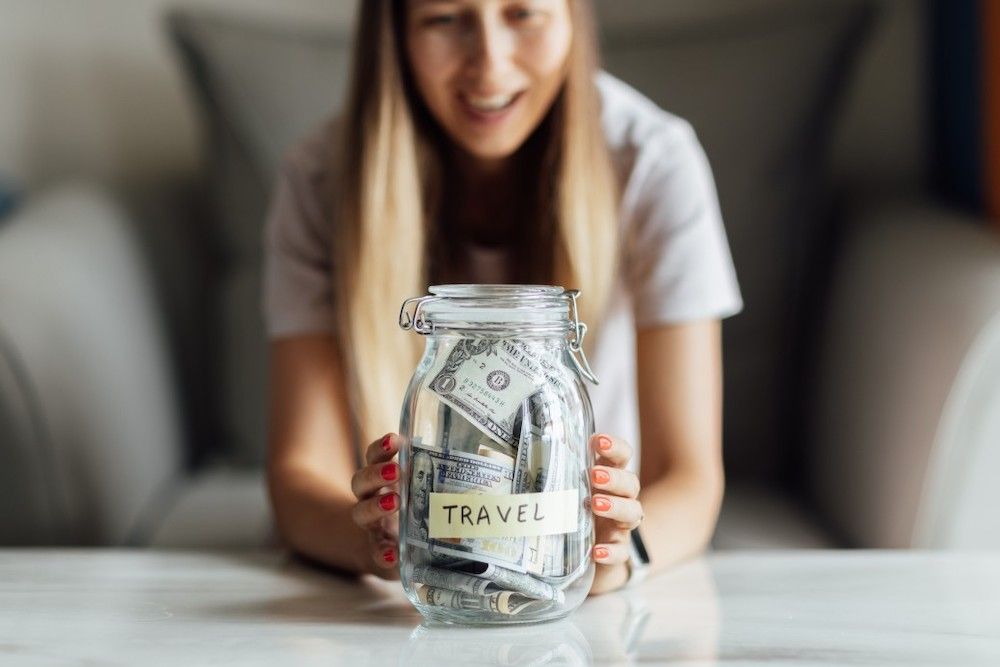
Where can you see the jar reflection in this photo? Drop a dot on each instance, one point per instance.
(555, 643)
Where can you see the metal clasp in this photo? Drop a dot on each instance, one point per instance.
(576, 341)
(416, 320)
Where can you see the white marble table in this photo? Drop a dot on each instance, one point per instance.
(88, 607)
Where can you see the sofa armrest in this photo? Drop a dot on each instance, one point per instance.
(906, 428)
(90, 399)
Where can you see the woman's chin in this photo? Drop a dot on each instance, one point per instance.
(493, 151)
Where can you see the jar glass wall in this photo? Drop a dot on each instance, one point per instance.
(494, 524)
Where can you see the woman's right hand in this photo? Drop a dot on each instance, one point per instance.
(376, 486)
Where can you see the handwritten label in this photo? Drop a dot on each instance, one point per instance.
(511, 515)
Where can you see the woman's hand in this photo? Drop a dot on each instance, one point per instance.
(376, 486)
(616, 509)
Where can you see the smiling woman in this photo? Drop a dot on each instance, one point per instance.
(488, 72)
(480, 144)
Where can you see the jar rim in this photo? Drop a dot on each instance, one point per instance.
(472, 306)
(472, 290)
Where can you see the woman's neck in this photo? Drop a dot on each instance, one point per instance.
(487, 198)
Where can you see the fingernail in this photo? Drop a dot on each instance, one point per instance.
(598, 476)
(389, 556)
(602, 504)
(387, 502)
(390, 472)
(387, 442)
(600, 553)
(603, 443)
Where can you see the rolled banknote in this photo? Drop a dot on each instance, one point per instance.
(512, 581)
(507, 603)
(451, 580)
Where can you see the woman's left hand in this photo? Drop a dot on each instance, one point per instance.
(616, 509)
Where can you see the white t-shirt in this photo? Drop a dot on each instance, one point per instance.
(675, 259)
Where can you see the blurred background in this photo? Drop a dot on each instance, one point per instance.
(856, 148)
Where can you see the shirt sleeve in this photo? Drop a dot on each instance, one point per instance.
(297, 289)
(677, 260)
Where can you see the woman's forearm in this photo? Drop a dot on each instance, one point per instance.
(681, 508)
(314, 518)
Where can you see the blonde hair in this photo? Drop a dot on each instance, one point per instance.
(388, 186)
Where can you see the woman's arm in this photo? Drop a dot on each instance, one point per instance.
(679, 376)
(310, 456)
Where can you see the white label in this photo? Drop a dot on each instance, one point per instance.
(512, 515)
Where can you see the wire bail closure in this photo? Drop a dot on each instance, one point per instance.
(576, 342)
(416, 322)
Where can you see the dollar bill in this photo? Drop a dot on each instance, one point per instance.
(457, 471)
(550, 461)
(513, 581)
(458, 433)
(451, 580)
(486, 380)
(537, 548)
(507, 603)
(421, 485)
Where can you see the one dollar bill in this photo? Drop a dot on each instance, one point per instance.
(486, 380)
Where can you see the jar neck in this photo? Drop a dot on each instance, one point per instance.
(495, 310)
(544, 312)
(554, 340)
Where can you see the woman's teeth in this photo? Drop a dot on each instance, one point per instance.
(494, 103)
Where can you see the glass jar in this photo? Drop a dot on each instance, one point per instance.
(495, 527)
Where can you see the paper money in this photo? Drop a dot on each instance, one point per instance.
(507, 603)
(549, 461)
(486, 380)
(456, 471)
(451, 580)
(421, 485)
(513, 581)
(458, 433)
(509, 422)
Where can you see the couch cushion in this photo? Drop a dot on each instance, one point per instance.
(260, 87)
(760, 86)
(8, 198)
(217, 509)
(86, 383)
(754, 517)
(761, 89)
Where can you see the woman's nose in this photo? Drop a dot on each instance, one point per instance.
(490, 50)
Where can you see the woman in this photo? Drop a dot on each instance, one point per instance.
(480, 144)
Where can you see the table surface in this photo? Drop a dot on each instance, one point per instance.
(112, 607)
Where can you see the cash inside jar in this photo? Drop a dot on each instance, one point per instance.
(494, 508)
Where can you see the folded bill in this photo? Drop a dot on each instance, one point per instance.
(455, 471)
(504, 602)
(487, 379)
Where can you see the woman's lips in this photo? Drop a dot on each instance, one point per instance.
(488, 110)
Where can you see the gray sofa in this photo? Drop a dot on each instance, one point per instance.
(862, 380)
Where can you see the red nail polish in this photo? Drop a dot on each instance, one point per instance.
(603, 443)
(600, 552)
(389, 556)
(387, 442)
(599, 476)
(601, 504)
(387, 502)
(390, 472)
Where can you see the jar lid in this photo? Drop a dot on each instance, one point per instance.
(472, 306)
